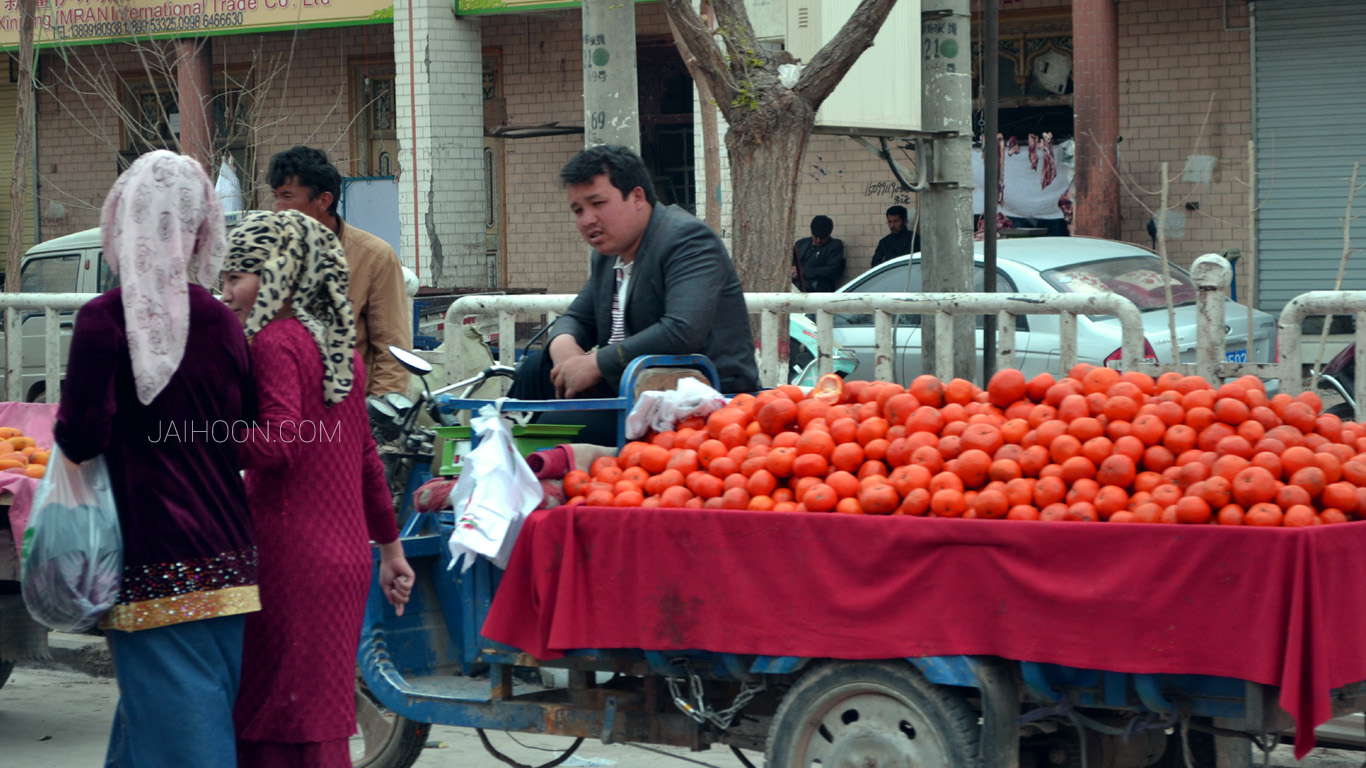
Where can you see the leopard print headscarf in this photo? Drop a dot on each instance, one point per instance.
(301, 262)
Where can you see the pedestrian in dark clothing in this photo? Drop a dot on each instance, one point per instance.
(901, 241)
(818, 261)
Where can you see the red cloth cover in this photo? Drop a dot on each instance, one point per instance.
(1282, 607)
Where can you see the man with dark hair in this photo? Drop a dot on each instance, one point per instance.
(660, 282)
(818, 261)
(305, 180)
(901, 241)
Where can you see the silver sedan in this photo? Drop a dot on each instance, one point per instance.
(1059, 265)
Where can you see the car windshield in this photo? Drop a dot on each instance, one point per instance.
(1136, 278)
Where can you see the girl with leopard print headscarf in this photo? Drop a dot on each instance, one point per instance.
(317, 493)
(301, 272)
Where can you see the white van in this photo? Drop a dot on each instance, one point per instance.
(68, 264)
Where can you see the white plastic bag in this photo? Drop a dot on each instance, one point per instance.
(73, 551)
(789, 74)
(660, 410)
(495, 493)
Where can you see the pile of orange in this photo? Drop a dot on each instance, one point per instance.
(20, 454)
(1097, 445)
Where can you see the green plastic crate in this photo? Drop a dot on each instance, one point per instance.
(528, 438)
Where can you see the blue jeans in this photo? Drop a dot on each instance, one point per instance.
(177, 685)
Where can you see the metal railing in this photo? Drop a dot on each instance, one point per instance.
(773, 309)
(50, 305)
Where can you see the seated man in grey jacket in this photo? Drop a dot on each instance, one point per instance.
(660, 283)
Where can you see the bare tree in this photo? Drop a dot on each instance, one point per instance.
(22, 141)
(769, 123)
(136, 82)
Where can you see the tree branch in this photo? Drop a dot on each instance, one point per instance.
(835, 58)
(699, 45)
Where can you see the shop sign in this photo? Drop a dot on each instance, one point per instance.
(481, 7)
(81, 22)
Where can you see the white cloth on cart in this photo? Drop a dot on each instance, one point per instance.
(661, 410)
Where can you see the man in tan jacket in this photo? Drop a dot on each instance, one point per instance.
(305, 180)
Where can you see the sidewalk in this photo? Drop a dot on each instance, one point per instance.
(86, 654)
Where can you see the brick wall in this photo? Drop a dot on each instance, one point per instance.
(1185, 89)
(309, 101)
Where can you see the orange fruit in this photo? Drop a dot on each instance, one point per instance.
(1192, 509)
(820, 498)
(777, 415)
(35, 470)
(948, 503)
(1006, 386)
(1254, 485)
(810, 465)
(880, 499)
(1263, 514)
(927, 389)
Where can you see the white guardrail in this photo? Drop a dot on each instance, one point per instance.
(50, 306)
(1212, 275)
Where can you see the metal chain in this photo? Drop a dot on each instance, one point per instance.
(699, 710)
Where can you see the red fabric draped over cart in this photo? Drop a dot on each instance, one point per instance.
(1284, 607)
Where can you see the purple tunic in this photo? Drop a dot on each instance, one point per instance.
(188, 551)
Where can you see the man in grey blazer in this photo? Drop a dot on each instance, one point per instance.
(660, 282)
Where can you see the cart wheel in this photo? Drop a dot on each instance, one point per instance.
(1343, 411)
(871, 713)
(6, 667)
(383, 739)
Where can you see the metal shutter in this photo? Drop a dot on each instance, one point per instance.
(1309, 124)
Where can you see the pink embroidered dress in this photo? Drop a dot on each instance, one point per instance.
(317, 493)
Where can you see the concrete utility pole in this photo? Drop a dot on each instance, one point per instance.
(611, 113)
(946, 208)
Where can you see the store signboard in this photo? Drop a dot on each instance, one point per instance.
(481, 7)
(82, 22)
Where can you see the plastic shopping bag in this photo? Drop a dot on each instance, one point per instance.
(495, 493)
(73, 550)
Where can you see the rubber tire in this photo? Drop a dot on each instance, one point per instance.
(1343, 411)
(1202, 751)
(399, 746)
(5, 668)
(941, 712)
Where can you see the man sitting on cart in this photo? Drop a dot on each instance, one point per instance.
(660, 283)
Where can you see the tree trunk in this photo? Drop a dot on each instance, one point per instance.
(767, 153)
(23, 142)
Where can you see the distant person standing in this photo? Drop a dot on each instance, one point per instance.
(305, 180)
(818, 261)
(901, 241)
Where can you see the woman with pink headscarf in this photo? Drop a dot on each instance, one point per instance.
(159, 382)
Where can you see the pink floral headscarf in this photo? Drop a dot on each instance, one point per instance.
(162, 225)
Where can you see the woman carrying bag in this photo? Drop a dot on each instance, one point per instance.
(317, 494)
(158, 373)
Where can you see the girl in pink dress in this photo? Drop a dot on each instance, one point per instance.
(316, 490)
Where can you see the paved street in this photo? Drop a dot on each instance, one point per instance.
(60, 719)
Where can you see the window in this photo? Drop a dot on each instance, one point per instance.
(374, 99)
(107, 277)
(50, 274)
(1136, 278)
(901, 278)
(1003, 285)
(152, 119)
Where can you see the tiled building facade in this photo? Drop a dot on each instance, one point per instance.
(1184, 89)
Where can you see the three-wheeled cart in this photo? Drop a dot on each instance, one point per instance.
(885, 641)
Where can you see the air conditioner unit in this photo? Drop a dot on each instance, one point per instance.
(880, 94)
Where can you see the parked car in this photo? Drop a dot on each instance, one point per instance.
(1059, 265)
